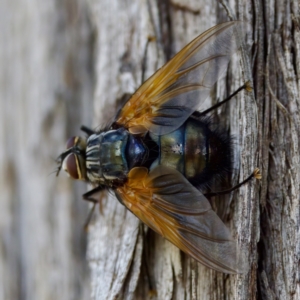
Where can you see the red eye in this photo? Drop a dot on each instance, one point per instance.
(71, 142)
(70, 166)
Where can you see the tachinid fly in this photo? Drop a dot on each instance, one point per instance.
(160, 153)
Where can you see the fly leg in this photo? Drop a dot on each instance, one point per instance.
(245, 86)
(88, 196)
(87, 130)
(146, 254)
(144, 62)
(256, 174)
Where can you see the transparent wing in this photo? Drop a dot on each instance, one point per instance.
(165, 201)
(174, 92)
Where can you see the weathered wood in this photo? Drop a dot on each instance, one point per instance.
(46, 91)
(47, 55)
(256, 210)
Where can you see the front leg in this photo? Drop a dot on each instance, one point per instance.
(88, 196)
(87, 130)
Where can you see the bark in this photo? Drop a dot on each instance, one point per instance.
(46, 91)
(127, 262)
(49, 54)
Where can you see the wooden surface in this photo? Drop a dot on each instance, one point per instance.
(64, 64)
(46, 91)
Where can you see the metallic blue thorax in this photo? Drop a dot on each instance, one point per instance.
(111, 154)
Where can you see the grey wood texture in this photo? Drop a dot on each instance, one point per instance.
(64, 64)
(46, 91)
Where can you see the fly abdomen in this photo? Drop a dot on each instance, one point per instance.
(185, 149)
(171, 149)
(195, 150)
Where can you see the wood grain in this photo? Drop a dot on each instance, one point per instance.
(66, 63)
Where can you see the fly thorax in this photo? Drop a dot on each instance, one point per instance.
(106, 156)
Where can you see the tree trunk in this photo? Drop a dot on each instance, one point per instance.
(48, 55)
(127, 262)
(46, 88)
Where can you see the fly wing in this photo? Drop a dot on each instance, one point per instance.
(174, 92)
(165, 201)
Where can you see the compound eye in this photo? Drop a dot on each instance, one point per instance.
(76, 142)
(70, 166)
(71, 142)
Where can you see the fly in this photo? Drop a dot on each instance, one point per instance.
(160, 153)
